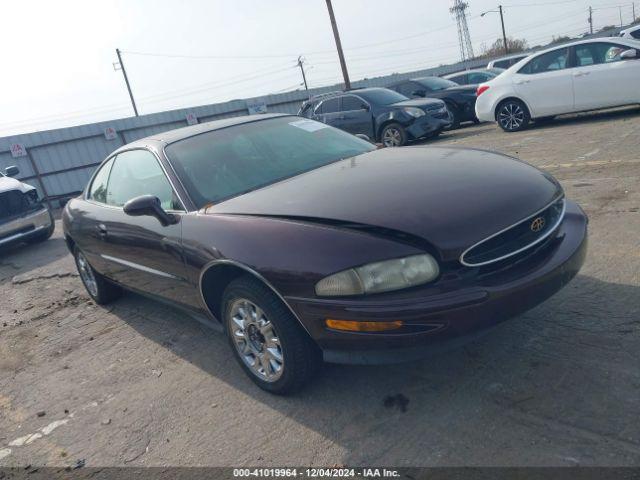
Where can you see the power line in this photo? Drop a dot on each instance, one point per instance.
(150, 99)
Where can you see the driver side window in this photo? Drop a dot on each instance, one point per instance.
(135, 173)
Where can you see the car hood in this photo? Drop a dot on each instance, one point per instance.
(8, 183)
(449, 197)
(418, 102)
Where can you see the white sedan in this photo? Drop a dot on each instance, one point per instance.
(584, 75)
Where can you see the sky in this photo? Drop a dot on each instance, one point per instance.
(58, 57)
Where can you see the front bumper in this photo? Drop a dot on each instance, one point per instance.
(427, 124)
(449, 314)
(25, 227)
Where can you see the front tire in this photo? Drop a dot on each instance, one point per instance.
(455, 118)
(267, 340)
(512, 115)
(99, 288)
(393, 135)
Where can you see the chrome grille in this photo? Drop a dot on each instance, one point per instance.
(517, 238)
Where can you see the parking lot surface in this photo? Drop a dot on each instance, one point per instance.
(139, 383)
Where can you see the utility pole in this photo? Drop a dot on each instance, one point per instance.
(126, 80)
(591, 20)
(304, 78)
(633, 9)
(336, 36)
(504, 35)
(620, 11)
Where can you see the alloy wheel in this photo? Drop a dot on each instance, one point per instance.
(86, 274)
(392, 137)
(511, 116)
(256, 340)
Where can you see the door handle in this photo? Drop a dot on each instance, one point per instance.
(581, 74)
(522, 82)
(102, 229)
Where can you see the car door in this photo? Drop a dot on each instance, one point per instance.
(329, 112)
(356, 116)
(545, 83)
(88, 221)
(602, 79)
(140, 252)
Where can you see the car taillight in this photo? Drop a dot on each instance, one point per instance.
(481, 89)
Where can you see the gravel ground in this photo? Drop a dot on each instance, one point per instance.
(141, 384)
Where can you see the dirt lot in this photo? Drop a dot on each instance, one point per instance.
(141, 384)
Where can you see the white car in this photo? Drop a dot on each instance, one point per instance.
(584, 75)
(23, 216)
(632, 32)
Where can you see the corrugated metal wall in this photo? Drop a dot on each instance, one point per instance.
(65, 158)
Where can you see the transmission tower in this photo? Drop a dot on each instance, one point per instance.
(458, 10)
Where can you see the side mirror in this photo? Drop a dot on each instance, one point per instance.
(149, 205)
(12, 171)
(366, 107)
(419, 93)
(364, 137)
(629, 54)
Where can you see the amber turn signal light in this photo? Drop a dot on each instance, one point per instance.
(356, 326)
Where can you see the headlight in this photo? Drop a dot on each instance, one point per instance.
(380, 277)
(413, 111)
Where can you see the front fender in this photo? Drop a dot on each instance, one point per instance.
(392, 116)
(291, 255)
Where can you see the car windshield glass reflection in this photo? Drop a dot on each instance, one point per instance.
(382, 96)
(224, 163)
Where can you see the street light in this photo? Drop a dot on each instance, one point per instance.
(504, 35)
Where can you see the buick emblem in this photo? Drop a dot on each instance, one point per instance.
(537, 224)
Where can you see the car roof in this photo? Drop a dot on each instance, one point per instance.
(353, 91)
(627, 41)
(509, 57)
(186, 132)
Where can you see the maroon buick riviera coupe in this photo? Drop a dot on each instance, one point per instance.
(307, 244)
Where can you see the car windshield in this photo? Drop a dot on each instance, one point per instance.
(382, 96)
(435, 83)
(497, 71)
(225, 163)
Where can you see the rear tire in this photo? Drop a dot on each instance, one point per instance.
(267, 340)
(100, 289)
(512, 115)
(393, 135)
